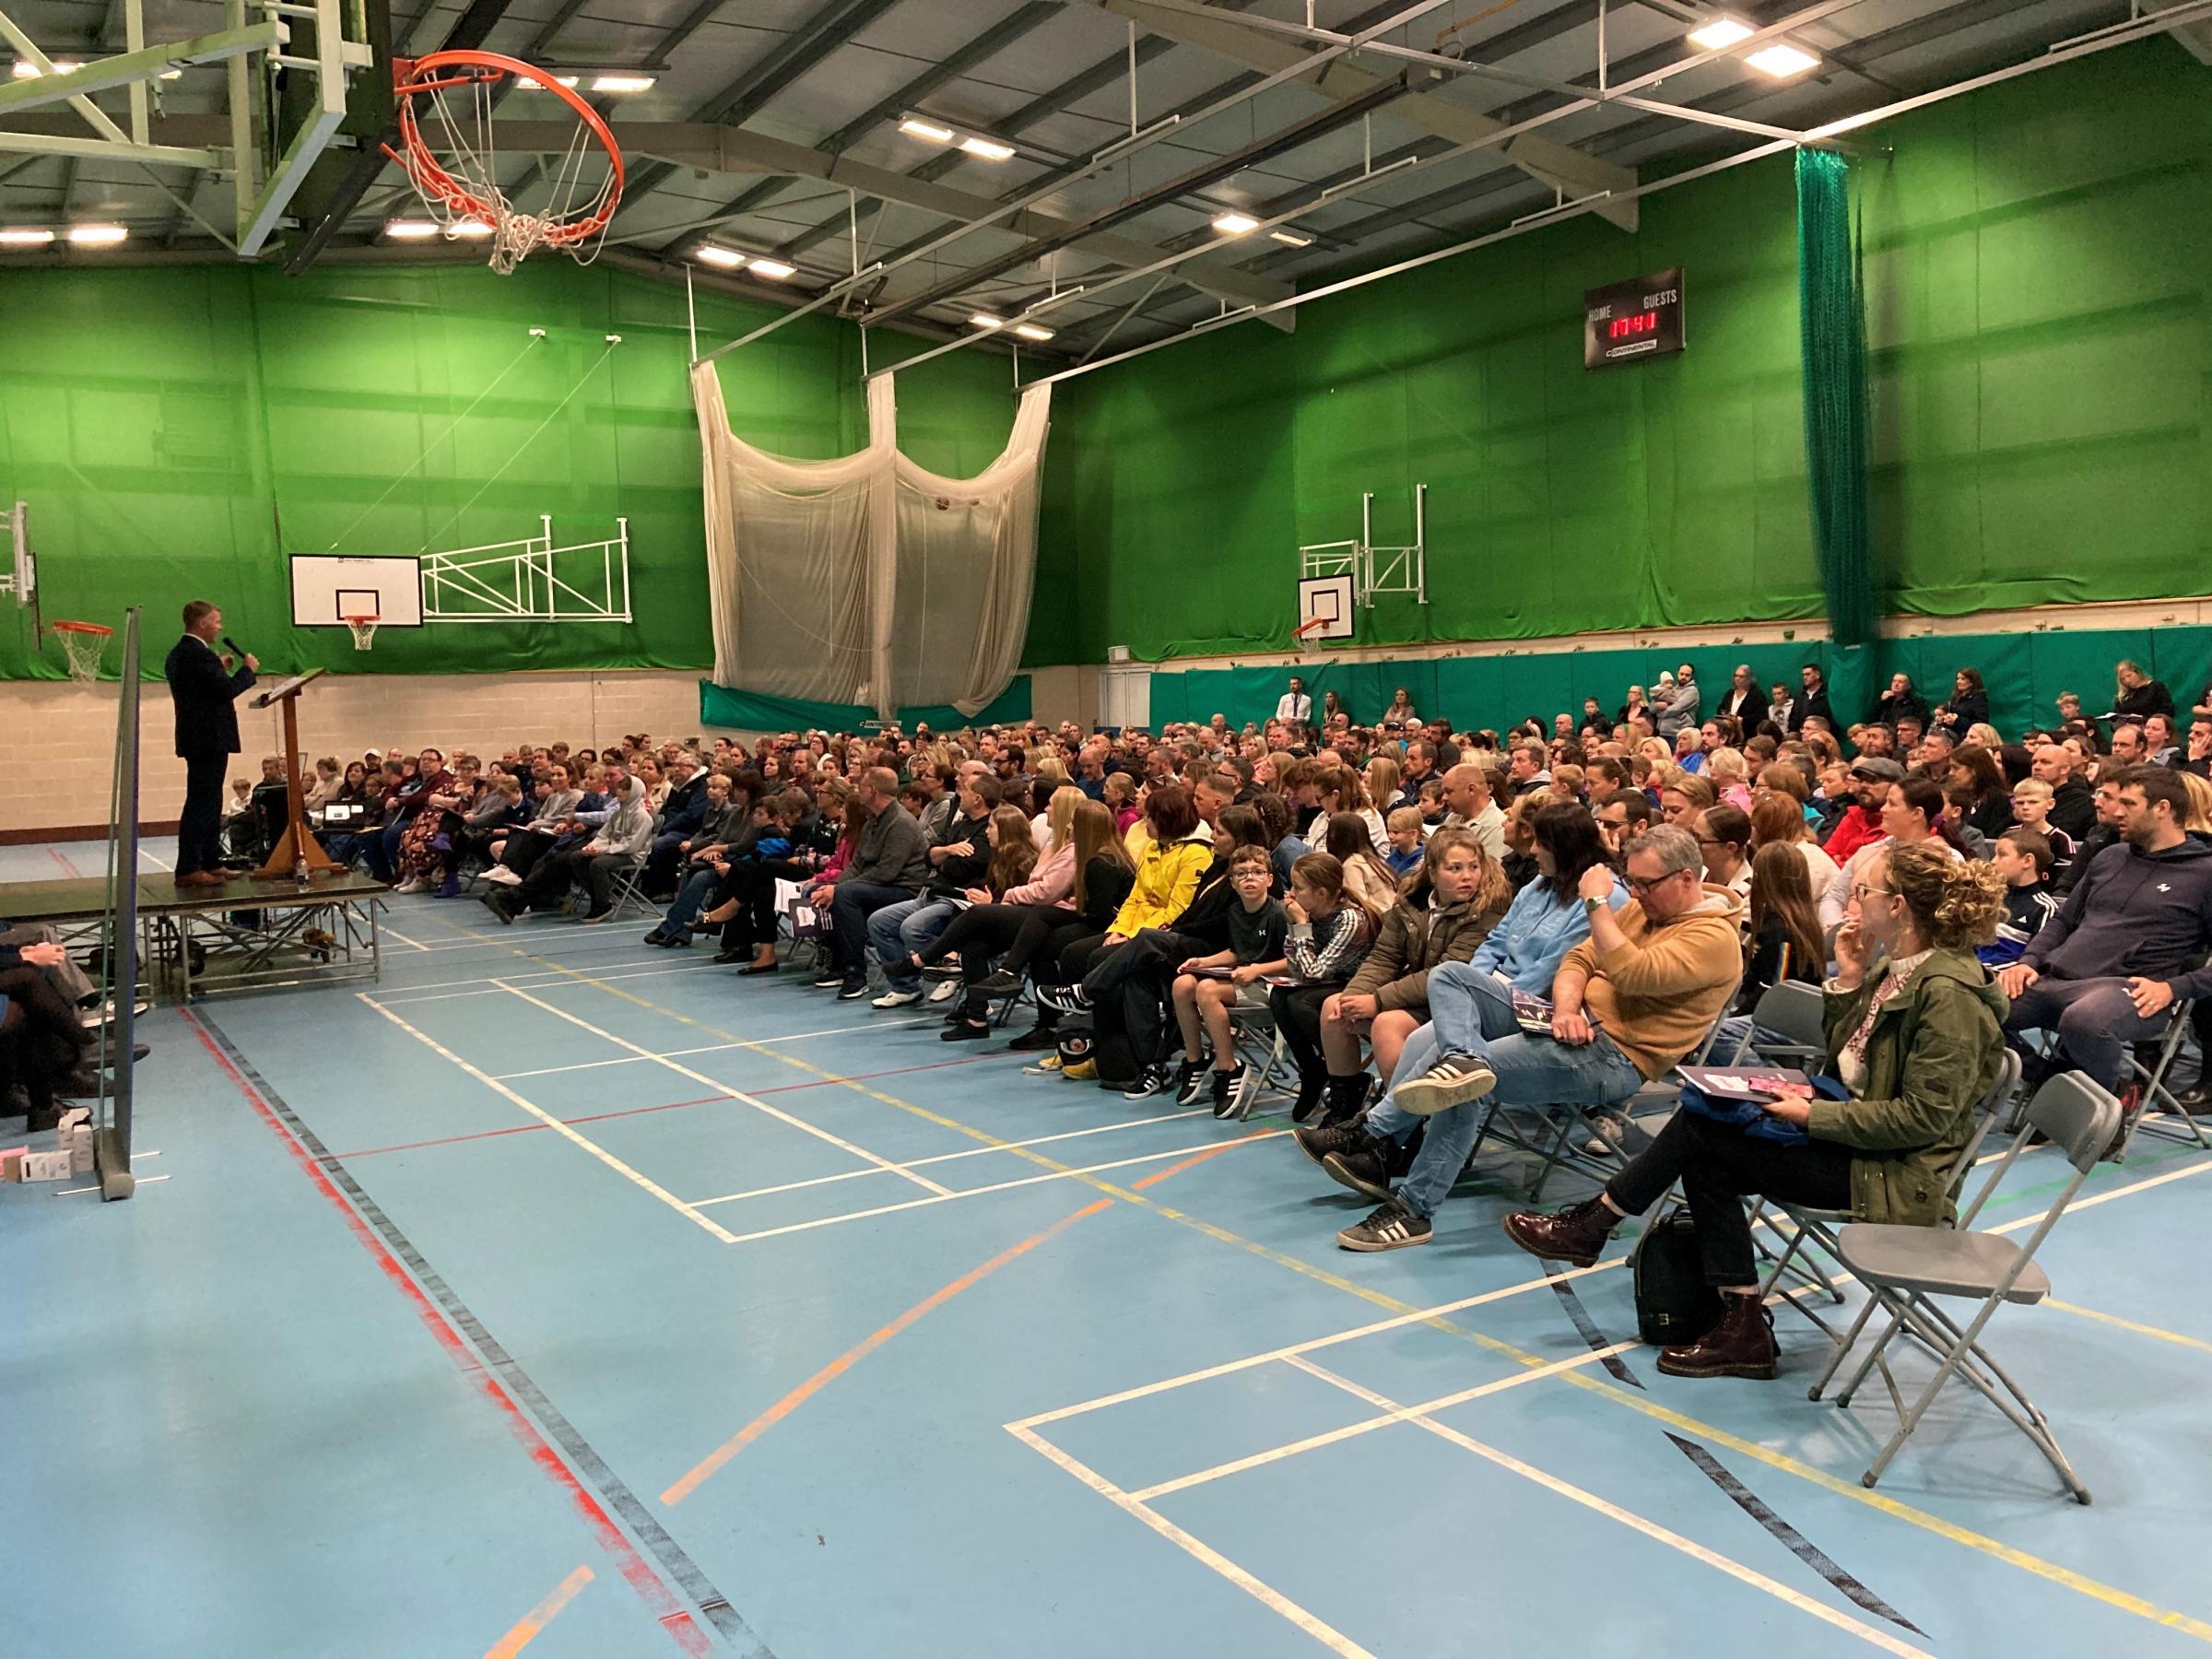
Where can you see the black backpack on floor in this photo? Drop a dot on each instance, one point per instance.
(1674, 1303)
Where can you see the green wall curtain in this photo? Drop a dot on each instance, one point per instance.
(1833, 328)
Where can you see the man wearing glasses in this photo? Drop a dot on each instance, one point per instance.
(1629, 1001)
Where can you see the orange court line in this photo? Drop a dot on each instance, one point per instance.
(805, 1391)
(526, 1628)
(1199, 1158)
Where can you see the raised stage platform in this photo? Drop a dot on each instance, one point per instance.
(243, 935)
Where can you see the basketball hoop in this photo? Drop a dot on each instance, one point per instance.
(448, 150)
(85, 643)
(364, 630)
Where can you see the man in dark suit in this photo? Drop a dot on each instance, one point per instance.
(202, 684)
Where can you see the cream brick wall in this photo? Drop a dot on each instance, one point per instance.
(57, 742)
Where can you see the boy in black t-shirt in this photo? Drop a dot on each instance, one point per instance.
(1257, 926)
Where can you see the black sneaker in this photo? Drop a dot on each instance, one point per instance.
(964, 1031)
(1190, 1083)
(1229, 1091)
(1311, 1092)
(1392, 1227)
(1318, 1141)
(1034, 1039)
(1150, 1080)
(852, 990)
(1453, 1081)
(1364, 1168)
(830, 979)
(1000, 984)
(725, 958)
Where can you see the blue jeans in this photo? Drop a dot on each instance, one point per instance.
(382, 847)
(1472, 1014)
(898, 931)
(852, 905)
(688, 902)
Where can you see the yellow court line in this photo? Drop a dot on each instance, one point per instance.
(526, 1628)
(2128, 1324)
(1628, 1518)
(2051, 1571)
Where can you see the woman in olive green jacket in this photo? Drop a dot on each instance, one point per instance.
(1915, 1032)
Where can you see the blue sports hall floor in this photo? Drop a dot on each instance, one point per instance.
(563, 1296)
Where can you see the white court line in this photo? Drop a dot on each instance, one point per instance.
(2095, 1199)
(549, 976)
(915, 1163)
(1368, 1425)
(140, 1180)
(1633, 1521)
(1273, 1600)
(996, 1186)
(717, 1048)
(155, 859)
(403, 938)
(1314, 1345)
(758, 1105)
(554, 1124)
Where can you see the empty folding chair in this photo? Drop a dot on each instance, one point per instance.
(1905, 1268)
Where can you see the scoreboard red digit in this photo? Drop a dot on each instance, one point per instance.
(1628, 322)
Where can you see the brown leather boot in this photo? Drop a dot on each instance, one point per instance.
(1577, 1235)
(1741, 1344)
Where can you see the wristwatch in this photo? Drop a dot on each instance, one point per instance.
(1593, 905)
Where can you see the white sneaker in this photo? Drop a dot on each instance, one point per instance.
(895, 999)
(944, 991)
(415, 884)
(504, 876)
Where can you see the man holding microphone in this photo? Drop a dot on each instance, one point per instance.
(202, 684)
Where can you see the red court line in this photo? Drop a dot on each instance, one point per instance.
(658, 1597)
(69, 869)
(601, 1117)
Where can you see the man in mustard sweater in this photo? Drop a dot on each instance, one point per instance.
(1629, 1001)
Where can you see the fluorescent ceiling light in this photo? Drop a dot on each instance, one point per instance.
(406, 229)
(568, 80)
(173, 74)
(622, 83)
(1781, 60)
(1291, 239)
(989, 149)
(473, 228)
(27, 70)
(913, 127)
(729, 259)
(1235, 224)
(985, 320)
(1032, 331)
(1720, 34)
(97, 236)
(26, 239)
(775, 270)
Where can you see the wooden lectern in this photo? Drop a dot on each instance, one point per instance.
(298, 854)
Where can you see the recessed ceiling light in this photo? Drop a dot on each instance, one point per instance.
(1235, 224)
(1032, 331)
(1781, 60)
(913, 127)
(1291, 239)
(97, 236)
(406, 229)
(622, 83)
(985, 320)
(989, 149)
(26, 239)
(775, 270)
(1720, 34)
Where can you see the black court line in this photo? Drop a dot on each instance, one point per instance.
(1796, 1542)
(1614, 1363)
(582, 1457)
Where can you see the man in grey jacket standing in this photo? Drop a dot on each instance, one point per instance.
(1678, 708)
(890, 866)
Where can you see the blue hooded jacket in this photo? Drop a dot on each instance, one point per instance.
(1535, 936)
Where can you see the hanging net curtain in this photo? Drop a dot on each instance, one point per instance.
(868, 579)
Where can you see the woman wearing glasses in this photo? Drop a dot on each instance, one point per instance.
(1914, 1037)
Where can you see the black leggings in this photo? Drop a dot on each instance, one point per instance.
(1297, 1010)
(1718, 1164)
(753, 887)
(45, 1040)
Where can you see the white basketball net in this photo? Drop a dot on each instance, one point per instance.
(84, 651)
(576, 182)
(363, 630)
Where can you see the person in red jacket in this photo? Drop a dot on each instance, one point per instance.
(1871, 776)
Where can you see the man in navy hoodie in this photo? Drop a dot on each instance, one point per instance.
(2131, 940)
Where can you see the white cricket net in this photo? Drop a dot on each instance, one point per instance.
(868, 579)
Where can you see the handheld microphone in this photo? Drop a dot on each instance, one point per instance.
(233, 647)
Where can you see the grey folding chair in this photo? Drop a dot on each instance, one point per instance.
(1792, 1010)
(1905, 1268)
(628, 889)
(2177, 1123)
(1266, 1060)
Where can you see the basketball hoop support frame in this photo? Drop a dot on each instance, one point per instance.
(1375, 570)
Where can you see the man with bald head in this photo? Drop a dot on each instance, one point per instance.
(1468, 798)
(2073, 807)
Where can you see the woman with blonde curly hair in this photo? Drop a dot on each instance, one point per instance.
(1915, 1038)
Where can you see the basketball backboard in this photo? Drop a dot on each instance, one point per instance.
(21, 577)
(1324, 607)
(327, 590)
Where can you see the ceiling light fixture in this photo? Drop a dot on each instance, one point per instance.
(26, 239)
(622, 83)
(985, 320)
(473, 229)
(1781, 60)
(729, 259)
(1032, 331)
(1720, 34)
(1291, 239)
(27, 70)
(1233, 223)
(774, 270)
(412, 230)
(913, 127)
(97, 236)
(990, 149)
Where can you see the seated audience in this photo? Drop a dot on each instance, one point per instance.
(1207, 989)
